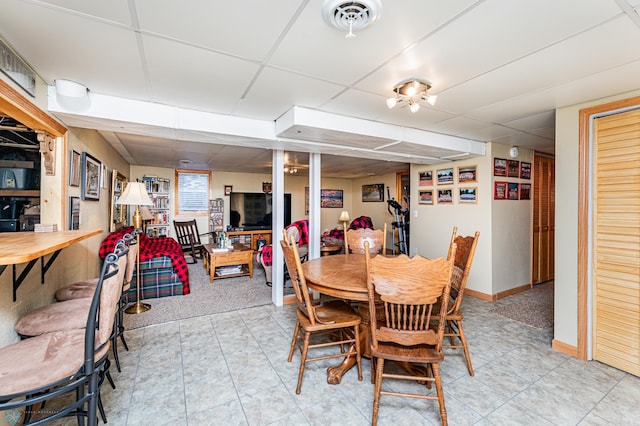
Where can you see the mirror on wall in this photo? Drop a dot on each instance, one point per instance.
(119, 212)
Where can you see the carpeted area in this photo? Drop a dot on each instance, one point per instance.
(223, 295)
(533, 308)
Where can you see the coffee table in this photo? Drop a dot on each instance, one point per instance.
(240, 255)
(327, 249)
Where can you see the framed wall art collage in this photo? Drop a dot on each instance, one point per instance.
(510, 189)
(448, 186)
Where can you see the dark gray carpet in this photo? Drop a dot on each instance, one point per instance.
(228, 294)
(533, 308)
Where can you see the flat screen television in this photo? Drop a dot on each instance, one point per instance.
(253, 210)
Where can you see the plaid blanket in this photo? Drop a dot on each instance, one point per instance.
(361, 222)
(302, 225)
(151, 248)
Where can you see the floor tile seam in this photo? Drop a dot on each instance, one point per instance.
(226, 362)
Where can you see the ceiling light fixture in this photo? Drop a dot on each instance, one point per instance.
(411, 91)
(351, 15)
(291, 170)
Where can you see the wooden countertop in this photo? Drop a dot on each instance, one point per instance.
(20, 247)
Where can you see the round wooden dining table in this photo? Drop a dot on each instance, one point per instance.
(340, 275)
(343, 276)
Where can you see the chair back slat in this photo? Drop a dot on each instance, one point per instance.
(298, 281)
(408, 288)
(465, 251)
(356, 238)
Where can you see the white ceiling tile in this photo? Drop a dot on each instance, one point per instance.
(247, 29)
(187, 76)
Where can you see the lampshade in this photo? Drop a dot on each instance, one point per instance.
(145, 213)
(135, 194)
(344, 216)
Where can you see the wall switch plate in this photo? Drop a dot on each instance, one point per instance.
(415, 250)
(415, 213)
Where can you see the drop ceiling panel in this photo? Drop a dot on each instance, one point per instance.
(113, 10)
(532, 122)
(266, 100)
(311, 41)
(203, 83)
(218, 24)
(59, 56)
(481, 40)
(564, 61)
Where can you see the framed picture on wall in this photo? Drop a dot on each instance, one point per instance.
(425, 178)
(513, 168)
(228, 189)
(374, 192)
(499, 167)
(500, 191)
(91, 169)
(445, 196)
(445, 176)
(331, 198)
(468, 195)
(467, 174)
(74, 213)
(75, 169)
(525, 191)
(525, 170)
(513, 191)
(425, 197)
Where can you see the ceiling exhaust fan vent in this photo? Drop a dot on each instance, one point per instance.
(351, 15)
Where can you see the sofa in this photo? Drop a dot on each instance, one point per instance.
(163, 268)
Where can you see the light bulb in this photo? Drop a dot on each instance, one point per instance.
(431, 99)
(391, 102)
(413, 106)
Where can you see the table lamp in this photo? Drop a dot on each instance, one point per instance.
(135, 194)
(344, 218)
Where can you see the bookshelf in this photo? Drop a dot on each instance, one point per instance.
(159, 192)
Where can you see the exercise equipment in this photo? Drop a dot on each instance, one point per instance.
(401, 223)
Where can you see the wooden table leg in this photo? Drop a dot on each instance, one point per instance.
(335, 373)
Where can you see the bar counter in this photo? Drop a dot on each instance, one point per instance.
(22, 247)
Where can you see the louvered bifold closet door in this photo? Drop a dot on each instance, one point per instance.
(616, 241)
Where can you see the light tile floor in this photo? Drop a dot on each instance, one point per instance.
(231, 369)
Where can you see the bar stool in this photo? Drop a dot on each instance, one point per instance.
(36, 370)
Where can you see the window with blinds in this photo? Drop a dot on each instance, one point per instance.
(192, 189)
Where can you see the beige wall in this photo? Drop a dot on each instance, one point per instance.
(79, 261)
(566, 234)
(502, 259)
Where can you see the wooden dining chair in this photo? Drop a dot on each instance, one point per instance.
(409, 331)
(356, 238)
(335, 320)
(189, 238)
(466, 248)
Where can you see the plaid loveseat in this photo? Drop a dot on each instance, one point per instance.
(163, 269)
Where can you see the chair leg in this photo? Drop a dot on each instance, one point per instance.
(438, 380)
(294, 341)
(356, 330)
(303, 360)
(376, 391)
(114, 345)
(463, 339)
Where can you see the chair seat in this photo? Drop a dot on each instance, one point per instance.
(48, 358)
(67, 315)
(77, 290)
(330, 314)
(419, 353)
